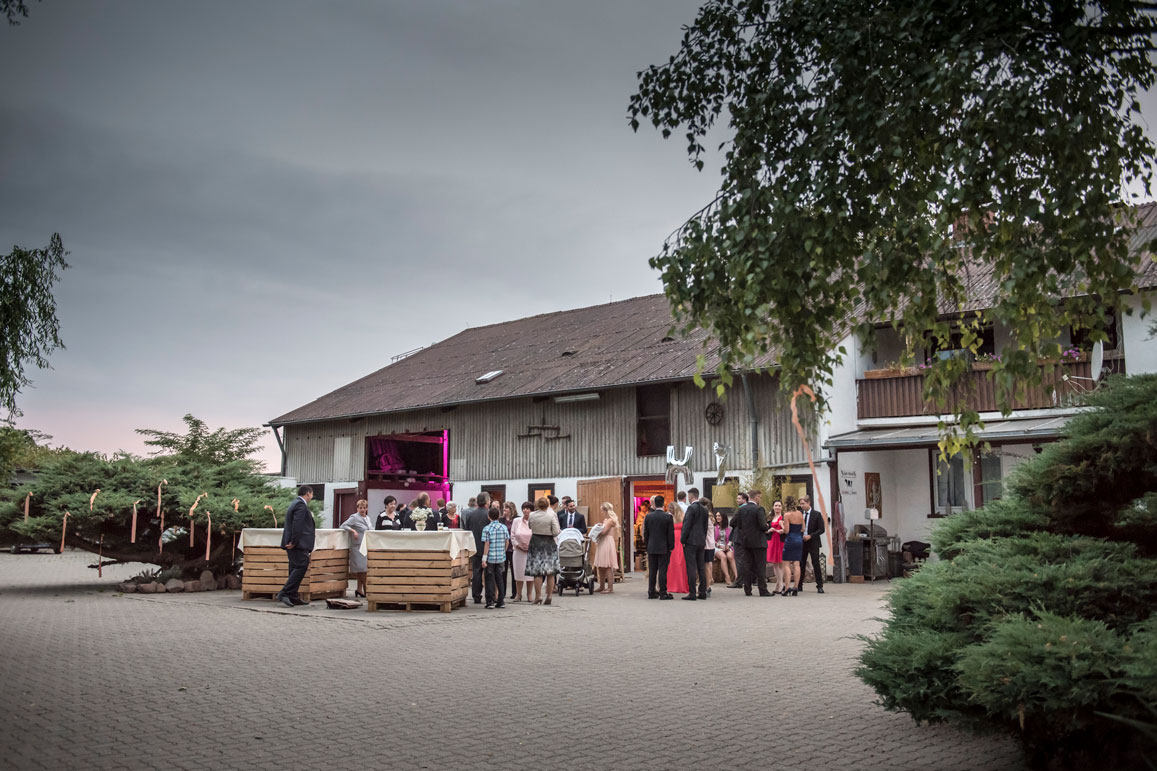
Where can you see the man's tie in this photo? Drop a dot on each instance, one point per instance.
(570, 520)
(806, 516)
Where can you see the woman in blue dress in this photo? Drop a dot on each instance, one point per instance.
(792, 545)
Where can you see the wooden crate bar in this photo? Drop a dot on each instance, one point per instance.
(401, 578)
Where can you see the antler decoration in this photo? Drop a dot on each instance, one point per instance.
(63, 530)
(27, 498)
(803, 389)
(93, 499)
(236, 503)
(161, 515)
(192, 534)
(133, 539)
(274, 513)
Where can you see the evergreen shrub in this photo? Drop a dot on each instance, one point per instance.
(1037, 618)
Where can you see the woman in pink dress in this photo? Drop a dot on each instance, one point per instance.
(775, 548)
(607, 550)
(677, 568)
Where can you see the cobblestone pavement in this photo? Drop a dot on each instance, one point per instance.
(92, 679)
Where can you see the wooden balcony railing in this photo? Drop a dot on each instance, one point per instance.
(902, 395)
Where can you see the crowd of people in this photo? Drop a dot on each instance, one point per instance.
(683, 539)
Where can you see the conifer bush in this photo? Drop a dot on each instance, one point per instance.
(1037, 619)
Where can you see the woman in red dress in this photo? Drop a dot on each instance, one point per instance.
(677, 568)
(775, 548)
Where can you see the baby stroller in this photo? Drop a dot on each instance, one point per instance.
(572, 556)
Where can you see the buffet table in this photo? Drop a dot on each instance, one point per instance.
(409, 570)
(265, 567)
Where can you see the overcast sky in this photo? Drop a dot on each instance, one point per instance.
(266, 200)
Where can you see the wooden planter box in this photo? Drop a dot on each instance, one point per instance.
(413, 578)
(266, 568)
(882, 374)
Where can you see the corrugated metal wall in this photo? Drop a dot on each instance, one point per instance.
(484, 442)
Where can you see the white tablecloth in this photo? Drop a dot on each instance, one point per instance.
(453, 541)
(271, 536)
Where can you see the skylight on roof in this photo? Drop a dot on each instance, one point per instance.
(488, 376)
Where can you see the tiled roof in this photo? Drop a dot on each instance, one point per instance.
(584, 349)
(604, 346)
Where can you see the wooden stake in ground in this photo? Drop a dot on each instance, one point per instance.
(133, 539)
(208, 534)
(191, 510)
(63, 530)
(27, 498)
(100, 557)
(161, 516)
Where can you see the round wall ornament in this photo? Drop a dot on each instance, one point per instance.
(714, 413)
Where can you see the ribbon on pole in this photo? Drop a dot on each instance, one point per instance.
(100, 558)
(274, 513)
(92, 500)
(133, 539)
(803, 389)
(191, 510)
(27, 498)
(63, 530)
(208, 534)
(161, 516)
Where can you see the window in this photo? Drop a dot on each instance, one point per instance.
(950, 485)
(1081, 338)
(537, 490)
(653, 404)
(991, 484)
(955, 346)
(496, 492)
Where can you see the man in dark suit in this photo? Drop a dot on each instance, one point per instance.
(738, 550)
(475, 520)
(659, 535)
(297, 540)
(570, 516)
(694, 538)
(813, 528)
(752, 522)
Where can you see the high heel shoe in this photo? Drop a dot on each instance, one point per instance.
(359, 594)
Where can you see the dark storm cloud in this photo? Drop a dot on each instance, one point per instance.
(266, 200)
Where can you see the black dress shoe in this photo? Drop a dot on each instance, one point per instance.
(666, 596)
(747, 593)
(285, 600)
(689, 597)
(703, 596)
(652, 596)
(820, 589)
(299, 601)
(766, 594)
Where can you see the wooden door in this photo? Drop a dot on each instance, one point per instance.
(345, 503)
(592, 494)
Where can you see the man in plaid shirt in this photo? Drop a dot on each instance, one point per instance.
(494, 538)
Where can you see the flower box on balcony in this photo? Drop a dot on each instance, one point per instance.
(882, 374)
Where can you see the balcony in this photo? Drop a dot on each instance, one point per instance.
(901, 394)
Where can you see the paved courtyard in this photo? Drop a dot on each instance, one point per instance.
(90, 678)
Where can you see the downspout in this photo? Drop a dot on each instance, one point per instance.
(281, 445)
(754, 418)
